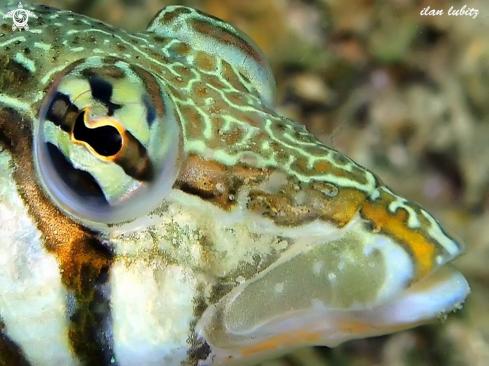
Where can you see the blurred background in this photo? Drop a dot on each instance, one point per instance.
(405, 95)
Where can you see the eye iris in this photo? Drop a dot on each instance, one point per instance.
(108, 142)
(105, 140)
(82, 183)
(102, 91)
(61, 111)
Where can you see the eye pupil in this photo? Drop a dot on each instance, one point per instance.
(105, 140)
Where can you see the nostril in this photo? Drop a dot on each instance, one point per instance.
(105, 140)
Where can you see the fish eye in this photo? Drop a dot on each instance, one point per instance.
(107, 144)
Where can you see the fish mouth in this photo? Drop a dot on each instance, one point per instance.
(432, 298)
(358, 284)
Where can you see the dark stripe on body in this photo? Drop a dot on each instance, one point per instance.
(83, 260)
(11, 354)
(90, 315)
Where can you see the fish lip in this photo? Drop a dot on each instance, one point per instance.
(443, 291)
(427, 300)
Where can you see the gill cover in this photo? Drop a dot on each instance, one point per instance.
(107, 141)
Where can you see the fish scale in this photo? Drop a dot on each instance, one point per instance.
(178, 219)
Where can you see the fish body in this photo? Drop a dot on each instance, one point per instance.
(156, 209)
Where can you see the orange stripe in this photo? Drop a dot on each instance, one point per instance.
(423, 251)
(291, 338)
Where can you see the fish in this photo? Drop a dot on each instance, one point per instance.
(156, 209)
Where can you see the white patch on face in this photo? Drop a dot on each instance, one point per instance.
(441, 292)
(399, 266)
(152, 309)
(279, 288)
(32, 297)
(317, 267)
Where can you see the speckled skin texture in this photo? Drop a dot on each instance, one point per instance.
(250, 193)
